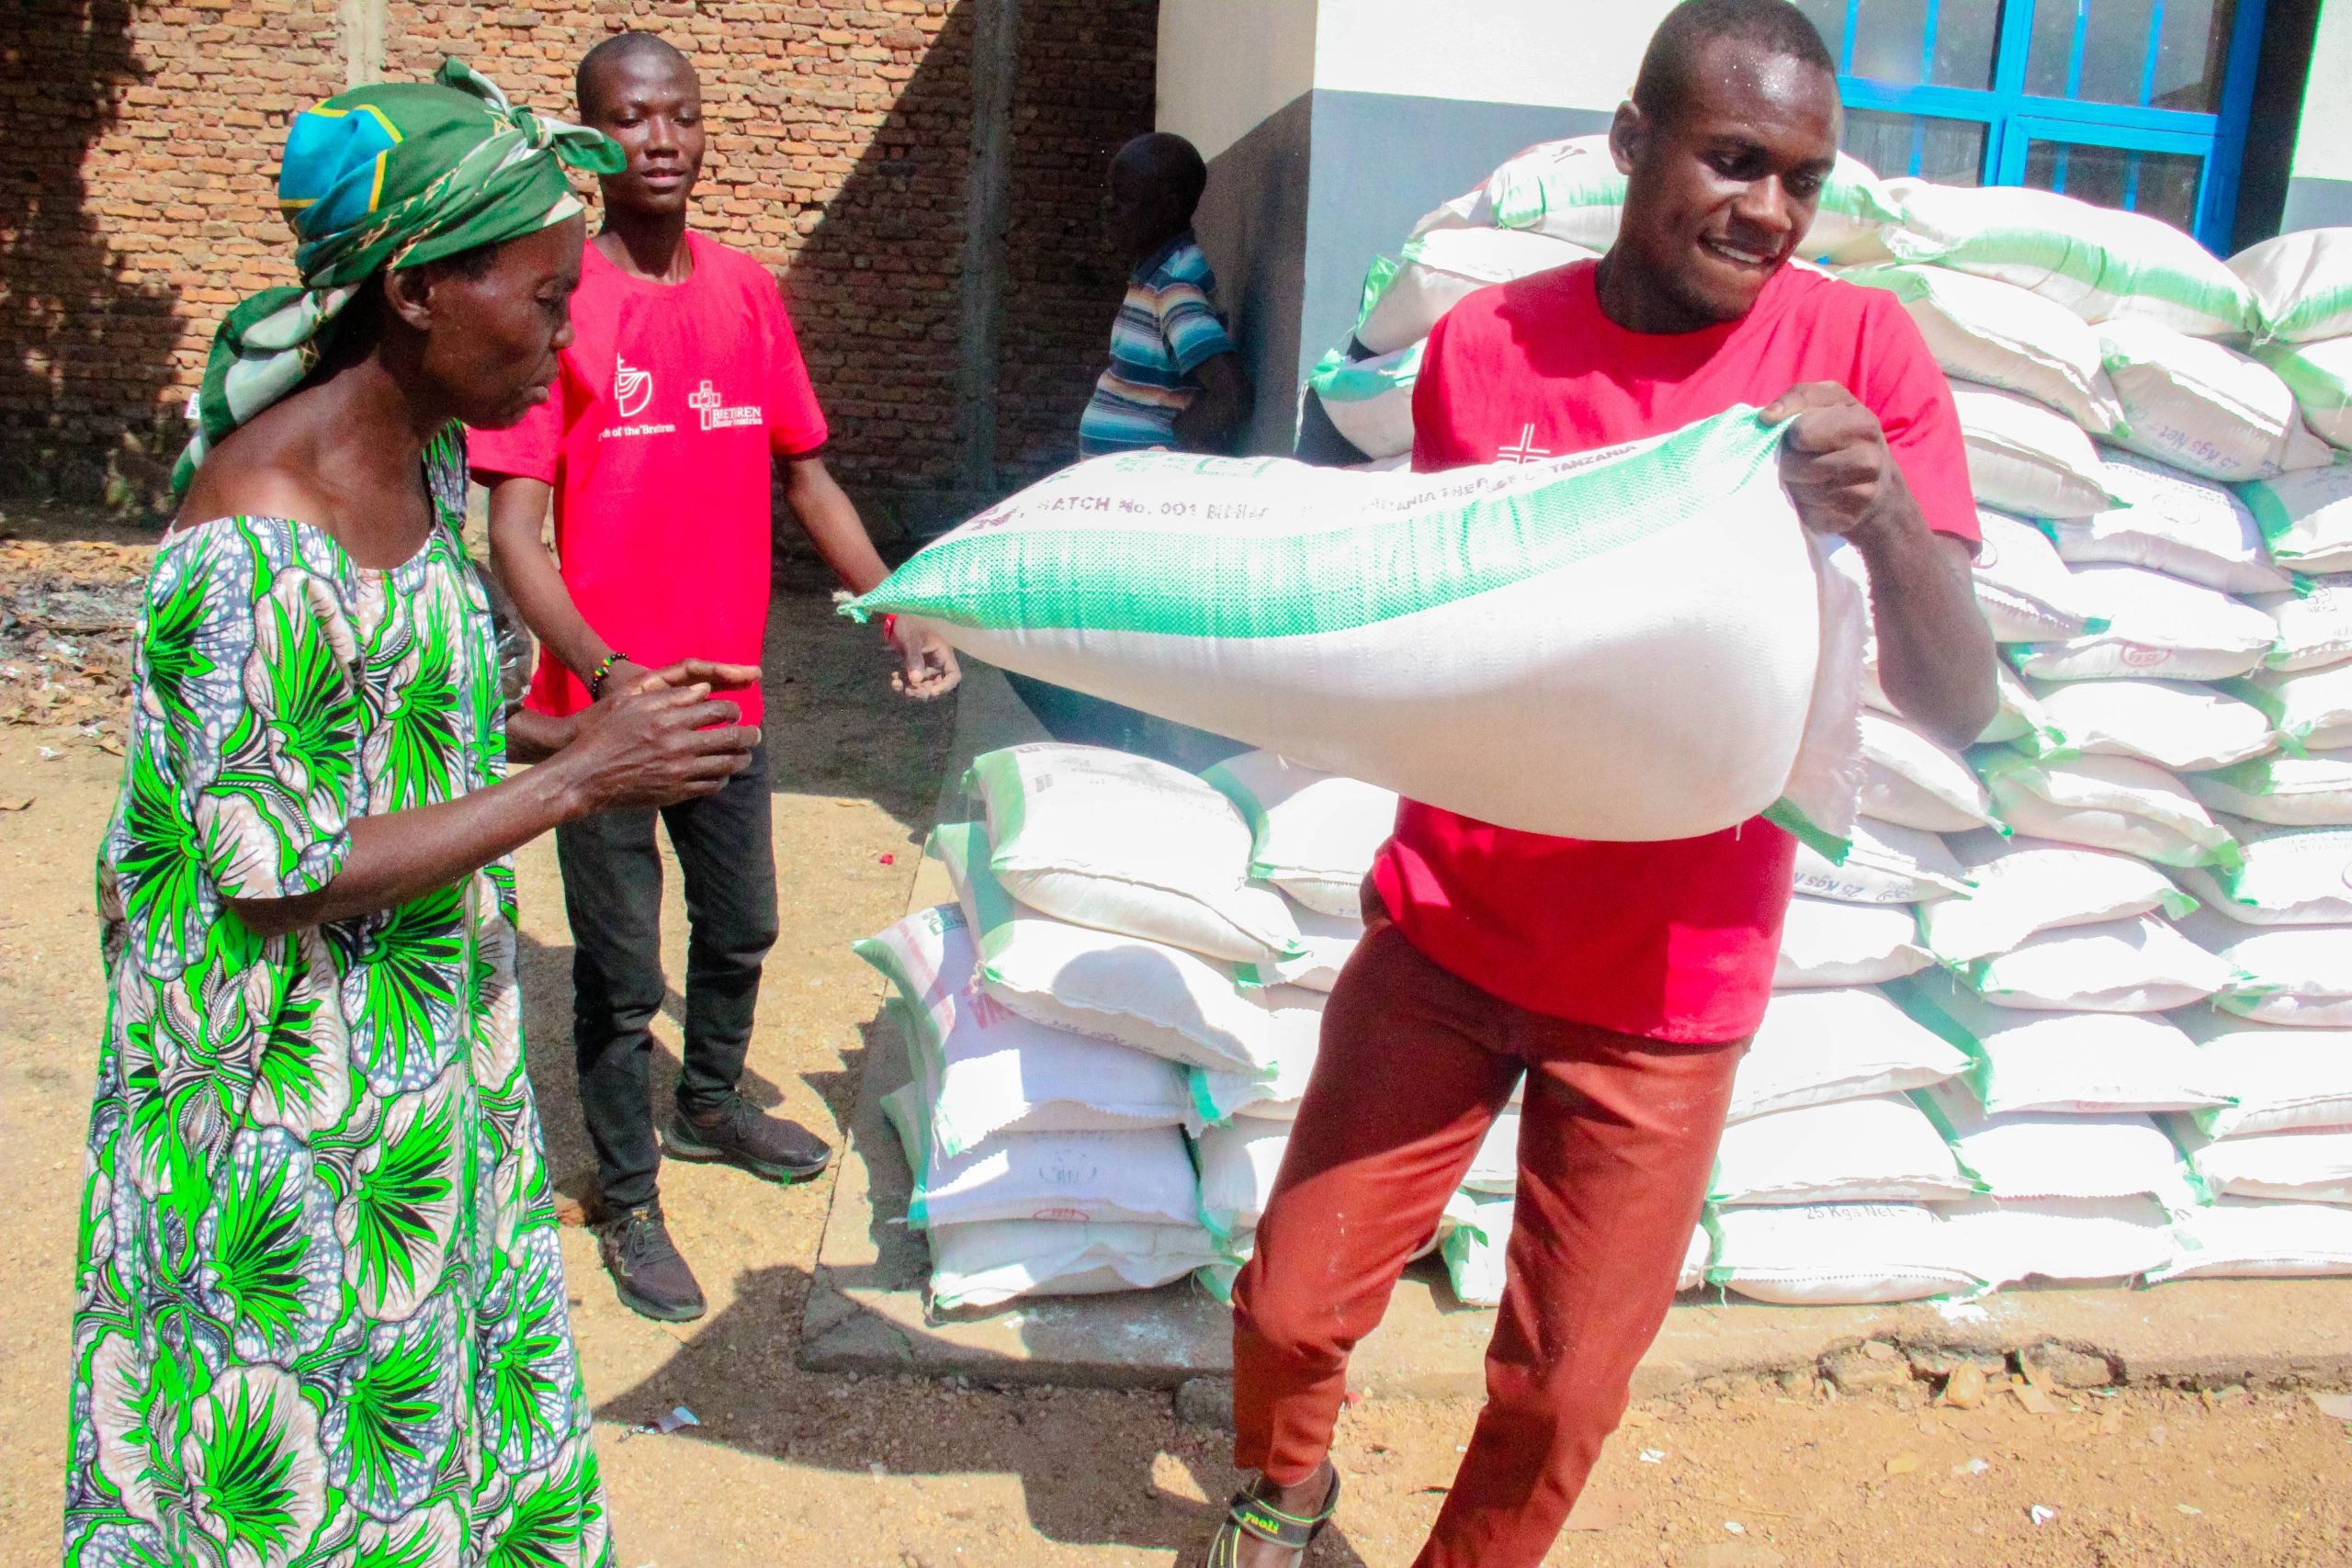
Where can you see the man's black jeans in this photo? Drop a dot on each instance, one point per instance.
(612, 892)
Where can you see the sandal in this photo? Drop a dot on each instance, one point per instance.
(1249, 1514)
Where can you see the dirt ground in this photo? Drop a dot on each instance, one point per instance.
(789, 1466)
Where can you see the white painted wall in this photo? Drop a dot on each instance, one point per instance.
(2323, 142)
(1579, 54)
(1225, 65)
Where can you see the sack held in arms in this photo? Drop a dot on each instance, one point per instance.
(1628, 644)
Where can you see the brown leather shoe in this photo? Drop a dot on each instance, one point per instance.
(648, 1271)
(742, 1133)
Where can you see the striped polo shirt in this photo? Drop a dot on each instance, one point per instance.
(1167, 327)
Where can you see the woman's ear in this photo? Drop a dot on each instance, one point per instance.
(408, 293)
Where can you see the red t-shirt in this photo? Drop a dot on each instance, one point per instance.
(660, 441)
(1672, 940)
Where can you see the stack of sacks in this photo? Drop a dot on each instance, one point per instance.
(1314, 838)
(1829, 1181)
(2152, 491)
(2302, 284)
(1550, 205)
(1310, 842)
(1045, 1163)
(1105, 909)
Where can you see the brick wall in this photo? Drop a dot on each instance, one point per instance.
(136, 203)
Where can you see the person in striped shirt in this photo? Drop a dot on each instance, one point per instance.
(1174, 379)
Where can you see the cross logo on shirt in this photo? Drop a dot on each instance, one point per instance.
(715, 413)
(1525, 450)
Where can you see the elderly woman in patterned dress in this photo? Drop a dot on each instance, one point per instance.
(321, 1311)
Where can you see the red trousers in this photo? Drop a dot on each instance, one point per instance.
(1617, 1139)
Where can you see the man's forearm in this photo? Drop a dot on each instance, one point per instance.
(830, 518)
(517, 511)
(1934, 655)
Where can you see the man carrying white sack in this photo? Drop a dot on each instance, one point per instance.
(1623, 978)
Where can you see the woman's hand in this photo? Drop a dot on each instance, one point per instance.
(659, 737)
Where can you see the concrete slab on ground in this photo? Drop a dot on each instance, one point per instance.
(866, 1312)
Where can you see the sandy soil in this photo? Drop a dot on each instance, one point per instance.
(788, 1465)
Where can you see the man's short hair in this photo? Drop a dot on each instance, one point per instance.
(1774, 26)
(1166, 157)
(619, 49)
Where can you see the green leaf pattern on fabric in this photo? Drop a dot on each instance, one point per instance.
(320, 1313)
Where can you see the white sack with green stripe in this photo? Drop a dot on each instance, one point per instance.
(2315, 624)
(1370, 401)
(2320, 375)
(2060, 1062)
(2303, 282)
(1815, 1047)
(2023, 586)
(2310, 708)
(1995, 333)
(995, 1261)
(2282, 1080)
(2027, 457)
(1129, 844)
(2199, 406)
(2057, 1155)
(1313, 834)
(2290, 877)
(2171, 522)
(2305, 517)
(1148, 994)
(1139, 1178)
(2307, 1166)
(2294, 974)
(984, 1069)
(2178, 725)
(2020, 886)
(1631, 644)
(2253, 1238)
(1404, 297)
(1828, 942)
(1883, 864)
(1572, 190)
(2096, 262)
(2312, 791)
(1842, 1254)
(1239, 1163)
(2073, 1239)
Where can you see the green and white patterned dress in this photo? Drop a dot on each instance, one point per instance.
(321, 1311)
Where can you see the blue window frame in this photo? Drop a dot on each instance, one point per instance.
(2138, 103)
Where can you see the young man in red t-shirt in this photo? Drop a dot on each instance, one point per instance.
(1623, 979)
(682, 388)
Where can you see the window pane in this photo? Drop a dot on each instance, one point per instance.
(2162, 184)
(1829, 19)
(1966, 32)
(2191, 38)
(1949, 151)
(2114, 51)
(2053, 46)
(1887, 36)
(1890, 38)
(2193, 53)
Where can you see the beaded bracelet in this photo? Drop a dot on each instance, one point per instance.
(596, 676)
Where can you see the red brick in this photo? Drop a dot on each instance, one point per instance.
(841, 135)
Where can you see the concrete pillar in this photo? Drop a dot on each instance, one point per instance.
(361, 23)
(996, 63)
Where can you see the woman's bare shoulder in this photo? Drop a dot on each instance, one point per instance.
(260, 471)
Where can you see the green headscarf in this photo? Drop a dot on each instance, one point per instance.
(391, 175)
